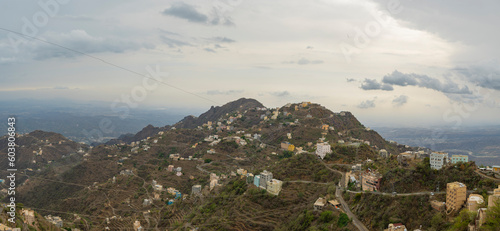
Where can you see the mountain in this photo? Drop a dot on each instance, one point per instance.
(214, 113)
(113, 185)
(38, 148)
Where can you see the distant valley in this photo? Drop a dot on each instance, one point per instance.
(482, 144)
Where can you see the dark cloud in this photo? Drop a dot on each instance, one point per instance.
(400, 100)
(424, 81)
(280, 93)
(309, 47)
(229, 92)
(191, 14)
(367, 104)
(487, 76)
(186, 11)
(173, 42)
(372, 84)
(350, 80)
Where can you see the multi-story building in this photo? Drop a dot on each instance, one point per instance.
(459, 158)
(256, 180)
(474, 201)
(456, 194)
(265, 177)
(322, 149)
(438, 160)
(370, 181)
(495, 198)
(274, 186)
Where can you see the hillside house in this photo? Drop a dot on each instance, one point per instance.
(459, 159)
(370, 181)
(57, 221)
(383, 153)
(456, 195)
(319, 204)
(265, 177)
(196, 189)
(322, 149)
(170, 168)
(274, 186)
(438, 160)
(495, 198)
(256, 180)
(474, 201)
(396, 227)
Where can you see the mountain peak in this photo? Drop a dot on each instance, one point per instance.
(215, 112)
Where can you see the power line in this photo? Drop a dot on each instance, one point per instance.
(109, 63)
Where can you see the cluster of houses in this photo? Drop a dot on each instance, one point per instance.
(456, 199)
(264, 181)
(156, 194)
(440, 159)
(368, 180)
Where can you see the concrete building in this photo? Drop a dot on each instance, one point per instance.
(284, 145)
(274, 186)
(438, 205)
(322, 149)
(170, 168)
(249, 178)
(256, 180)
(438, 160)
(370, 181)
(265, 177)
(456, 195)
(196, 189)
(319, 204)
(474, 201)
(29, 216)
(396, 227)
(481, 217)
(495, 198)
(57, 221)
(496, 168)
(383, 153)
(459, 158)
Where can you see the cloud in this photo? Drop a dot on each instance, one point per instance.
(372, 84)
(221, 40)
(350, 80)
(367, 104)
(280, 93)
(81, 41)
(173, 42)
(486, 76)
(209, 50)
(400, 100)
(304, 61)
(186, 11)
(229, 92)
(191, 14)
(309, 47)
(424, 81)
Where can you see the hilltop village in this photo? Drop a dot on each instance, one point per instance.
(243, 166)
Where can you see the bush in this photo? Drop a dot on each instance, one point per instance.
(326, 216)
(208, 160)
(343, 220)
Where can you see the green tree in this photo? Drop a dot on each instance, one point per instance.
(492, 221)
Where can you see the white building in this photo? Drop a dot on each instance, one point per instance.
(438, 159)
(322, 149)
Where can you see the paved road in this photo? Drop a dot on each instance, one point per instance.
(491, 178)
(398, 194)
(306, 181)
(355, 221)
(345, 206)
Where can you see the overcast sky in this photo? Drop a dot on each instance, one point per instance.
(414, 63)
